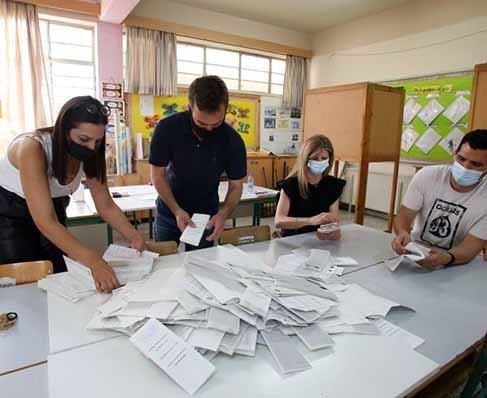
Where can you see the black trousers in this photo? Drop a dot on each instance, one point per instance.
(20, 239)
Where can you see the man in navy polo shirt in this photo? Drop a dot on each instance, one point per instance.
(189, 152)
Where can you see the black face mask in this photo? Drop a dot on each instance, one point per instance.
(200, 131)
(80, 152)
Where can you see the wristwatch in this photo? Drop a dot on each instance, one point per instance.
(452, 259)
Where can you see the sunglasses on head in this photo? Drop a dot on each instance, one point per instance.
(94, 109)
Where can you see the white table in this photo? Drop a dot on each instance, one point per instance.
(25, 343)
(30, 382)
(450, 316)
(142, 197)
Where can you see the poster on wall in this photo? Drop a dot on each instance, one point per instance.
(111, 90)
(148, 110)
(280, 127)
(436, 116)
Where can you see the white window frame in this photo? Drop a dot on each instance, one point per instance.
(91, 26)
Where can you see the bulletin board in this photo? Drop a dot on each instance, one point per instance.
(146, 111)
(436, 116)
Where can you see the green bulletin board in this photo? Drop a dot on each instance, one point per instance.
(442, 134)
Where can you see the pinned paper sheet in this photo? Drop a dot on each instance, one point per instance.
(417, 254)
(457, 110)
(430, 112)
(411, 109)
(428, 140)
(409, 137)
(192, 235)
(452, 140)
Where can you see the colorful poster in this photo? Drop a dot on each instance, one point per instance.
(241, 115)
(437, 111)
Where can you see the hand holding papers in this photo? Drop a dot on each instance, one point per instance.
(416, 253)
(192, 235)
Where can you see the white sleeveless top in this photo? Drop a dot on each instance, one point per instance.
(10, 176)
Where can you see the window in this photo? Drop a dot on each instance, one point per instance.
(240, 71)
(69, 51)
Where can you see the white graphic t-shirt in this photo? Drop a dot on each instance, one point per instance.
(445, 217)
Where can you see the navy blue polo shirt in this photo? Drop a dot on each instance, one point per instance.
(194, 167)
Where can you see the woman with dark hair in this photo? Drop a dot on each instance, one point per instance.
(39, 172)
(309, 195)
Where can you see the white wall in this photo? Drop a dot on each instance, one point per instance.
(187, 15)
(419, 38)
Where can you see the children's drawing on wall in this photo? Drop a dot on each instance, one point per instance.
(269, 123)
(295, 137)
(270, 111)
(283, 124)
(296, 113)
(295, 124)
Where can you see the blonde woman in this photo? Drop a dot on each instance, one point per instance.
(309, 195)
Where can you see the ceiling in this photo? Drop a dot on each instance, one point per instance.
(303, 16)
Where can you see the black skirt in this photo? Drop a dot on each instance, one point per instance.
(20, 239)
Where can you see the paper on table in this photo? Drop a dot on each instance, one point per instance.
(223, 320)
(80, 272)
(306, 302)
(173, 355)
(230, 341)
(318, 260)
(428, 140)
(209, 339)
(117, 252)
(314, 337)
(418, 253)
(344, 261)
(256, 300)
(287, 357)
(248, 342)
(191, 235)
(389, 329)
(190, 303)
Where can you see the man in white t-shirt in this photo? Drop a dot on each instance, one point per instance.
(448, 205)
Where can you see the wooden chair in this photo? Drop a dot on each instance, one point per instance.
(27, 272)
(243, 235)
(485, 252)
(163, 248)
(476, 386)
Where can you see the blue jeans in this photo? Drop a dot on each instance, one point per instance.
(166, 229)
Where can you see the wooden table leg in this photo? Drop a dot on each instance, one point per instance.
(392, 203)
(361, 192)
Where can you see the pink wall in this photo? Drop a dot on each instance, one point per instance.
(110, 53)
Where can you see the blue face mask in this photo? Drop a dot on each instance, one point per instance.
(463, 176)
(318, 166)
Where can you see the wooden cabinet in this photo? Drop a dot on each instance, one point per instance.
(282, 168)
(478, 113)
(261, 169)
(364, 123)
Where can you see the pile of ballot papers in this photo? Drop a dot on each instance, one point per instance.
(77, 283)
(224, 301)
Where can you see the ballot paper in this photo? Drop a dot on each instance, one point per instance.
(387, 328)
(328, 228)
(344, 261)
(314, 338)
(173, 355)
(66, 285)
(193, 235)
(223, 320)
(230, 341)
(318, 260)
(256, 300)
(208, 339)
(288, 358)
(248, 342)
(417, 253)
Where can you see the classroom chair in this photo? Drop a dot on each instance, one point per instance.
(27, 272)
(162, 248)
(476, 386)
(243, 235)
(485, 252)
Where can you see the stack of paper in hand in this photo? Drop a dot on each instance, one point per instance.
(78, 283)
(416, 253)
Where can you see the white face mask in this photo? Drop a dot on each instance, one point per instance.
(317, 166)
(465, 177)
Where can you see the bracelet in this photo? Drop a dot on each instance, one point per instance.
(452, 259)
